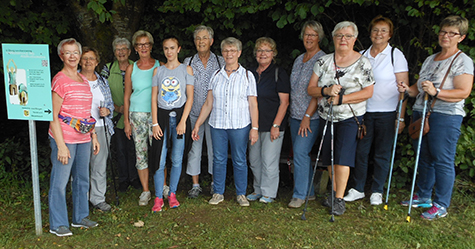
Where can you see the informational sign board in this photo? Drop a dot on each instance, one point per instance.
(27, 81)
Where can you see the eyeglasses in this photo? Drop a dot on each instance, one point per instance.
(143, 45)
(340, 36)
(230, 51)
(449, 34)
(264, 51)
(122, 49)
(383, 31)
(310, 35)
(70, 53)
(204, 38)
(88, 58)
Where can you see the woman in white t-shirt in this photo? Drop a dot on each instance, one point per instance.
(102, 109)
(389, 68)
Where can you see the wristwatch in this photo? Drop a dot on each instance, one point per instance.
(401, 119)
(276, 126)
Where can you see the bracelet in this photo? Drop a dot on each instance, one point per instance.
(276, 126)
(156, 124)
(401, 119)
(322, 93)
(255, 128)
(340, 99)
(437, 93)
(307, 115)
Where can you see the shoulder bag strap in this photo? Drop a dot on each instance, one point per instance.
(443, 81)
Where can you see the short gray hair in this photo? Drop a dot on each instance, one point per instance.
(142, 33)
(231, 41)
(201, 28)
(120, 41)
(346, 24)
(316, 26)
(69, 41)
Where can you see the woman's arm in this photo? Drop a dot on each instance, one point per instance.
(127, 93)
(63, 151)
(462, 88)
(181, 128)
(402, 77)
(204, 113)
(253, 134)
(315, 91)
(355, 97)
(284, 104)
(156, 129)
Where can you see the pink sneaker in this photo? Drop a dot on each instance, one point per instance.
(157, 206)
(172, 201)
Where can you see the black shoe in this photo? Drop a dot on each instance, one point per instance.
(123, 186)
(327, 200)
(339, 206)
(136, 184)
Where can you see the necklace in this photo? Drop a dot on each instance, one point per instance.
(231, 71)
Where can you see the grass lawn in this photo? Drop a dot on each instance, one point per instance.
(196, 224)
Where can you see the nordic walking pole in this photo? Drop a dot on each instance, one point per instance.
(332, 218)
(314, 170)
(401, 99)
(109, 161)
(419, 142)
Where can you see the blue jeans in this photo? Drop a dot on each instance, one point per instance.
(238, 139)
(303, 169)
(78, 167)
(177, 147)
(436, 161)
(379, 134)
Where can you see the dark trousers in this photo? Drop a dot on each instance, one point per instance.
(380, 134)
(125, 150)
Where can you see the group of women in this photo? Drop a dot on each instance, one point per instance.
(242, 107)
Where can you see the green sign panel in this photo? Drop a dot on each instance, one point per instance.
(27, 81)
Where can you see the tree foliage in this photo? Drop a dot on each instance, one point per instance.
(97, 22)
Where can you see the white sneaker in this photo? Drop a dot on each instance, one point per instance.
(166, 192)
(376, 199)
(241, 199)
(353, 195)
(144, 198)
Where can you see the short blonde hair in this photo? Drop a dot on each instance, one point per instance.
(231, 41)
(456, 21)
(316, 26)
(141, 33)
(266, 41)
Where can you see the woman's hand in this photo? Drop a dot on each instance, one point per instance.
(402, 87)
(95, 144)
(304, 127)
(63, 154)
(127, 130)
(253, 136)
(332, 90)
(194, 133)
(428, 87)
(181, 128)
(104, 111)
(274, 133)
(157, 132)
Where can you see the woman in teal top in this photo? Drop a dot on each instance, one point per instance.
(137, 108)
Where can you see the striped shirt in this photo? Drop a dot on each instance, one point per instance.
(230, 98)
(202, 78)
(77, 99)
